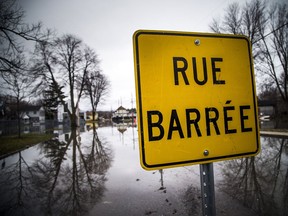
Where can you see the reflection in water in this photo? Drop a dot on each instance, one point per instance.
(68, 180)
(260, 182)
(69, 176)
(162, 181)
(15, 188)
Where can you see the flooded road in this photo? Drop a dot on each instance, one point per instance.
(97, 172)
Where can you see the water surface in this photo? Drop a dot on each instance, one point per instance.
(97, 172)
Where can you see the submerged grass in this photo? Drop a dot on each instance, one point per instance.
(10, 144)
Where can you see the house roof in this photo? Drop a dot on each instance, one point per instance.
(25, 117)
(29, 108)
(121, 108)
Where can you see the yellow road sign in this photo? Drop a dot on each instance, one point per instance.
(196, 100)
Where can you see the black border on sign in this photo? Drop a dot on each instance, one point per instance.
(202, 160)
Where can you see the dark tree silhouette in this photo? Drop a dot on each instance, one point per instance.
(65, 63)
(96, 89)
(13, 32)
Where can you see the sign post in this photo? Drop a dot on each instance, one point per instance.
(207, 189)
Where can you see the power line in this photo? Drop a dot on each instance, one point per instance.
(271, 32)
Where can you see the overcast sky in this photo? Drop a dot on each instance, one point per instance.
(107, 26)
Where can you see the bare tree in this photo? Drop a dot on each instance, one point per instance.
(268, 32)
(96, 88)
(274, 52)
(20, 85)
(64, 64)
(250, 20)
(233, 19)
(13, 31)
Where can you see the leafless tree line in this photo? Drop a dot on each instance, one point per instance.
(266, 25)
(63, 64)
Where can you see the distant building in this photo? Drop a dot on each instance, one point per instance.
(63, 113)
(122, 114)
(267, 108)
(89, 116)
(32, 114)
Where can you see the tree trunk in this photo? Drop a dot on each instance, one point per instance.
(19, 127)
(18, 119)
(93, 115)
(73, 121)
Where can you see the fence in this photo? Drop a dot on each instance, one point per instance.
(10, 127)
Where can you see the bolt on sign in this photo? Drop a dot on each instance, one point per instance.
(196, 100)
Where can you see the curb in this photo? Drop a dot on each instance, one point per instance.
(15, 152)
(274, 134)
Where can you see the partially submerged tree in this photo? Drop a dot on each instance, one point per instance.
(20, 85)
(17, 76)
(65, 63)
(268, 32)
(96, 88)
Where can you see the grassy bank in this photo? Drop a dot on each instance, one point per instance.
(10, 144)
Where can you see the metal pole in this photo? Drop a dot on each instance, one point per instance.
(207, 189)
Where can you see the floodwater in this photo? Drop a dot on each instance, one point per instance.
(97, 172)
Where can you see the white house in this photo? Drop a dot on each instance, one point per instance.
(33, 114)
(63, 116)
(120, 114)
